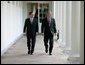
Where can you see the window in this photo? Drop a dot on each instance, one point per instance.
(43, 10)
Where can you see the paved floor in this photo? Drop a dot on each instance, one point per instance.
(17, 54)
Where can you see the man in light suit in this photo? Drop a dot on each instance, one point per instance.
(48, 29)
(31, 26)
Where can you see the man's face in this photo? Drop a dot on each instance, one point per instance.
(49, 15)
(31, 15)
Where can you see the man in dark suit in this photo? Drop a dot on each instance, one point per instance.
(49, 28)
(31, 25)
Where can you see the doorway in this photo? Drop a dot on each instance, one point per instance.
(40, 10)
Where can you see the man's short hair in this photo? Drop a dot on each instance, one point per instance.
(30, 13)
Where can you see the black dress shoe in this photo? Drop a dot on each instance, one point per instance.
(46, 51)
(28, 52)
(50, 54)
(31, 53)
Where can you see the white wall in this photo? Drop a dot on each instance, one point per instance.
(11, 23)
(82, 32)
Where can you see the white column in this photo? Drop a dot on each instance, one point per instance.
(60, 20)
(63, 23)
(56, 5)
(56, 13)
(82, 32)
(67, 48)
(75, 32)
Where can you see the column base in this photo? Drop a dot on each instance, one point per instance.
(74, 59)
(67, 51)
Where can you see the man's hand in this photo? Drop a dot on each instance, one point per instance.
(55, 34)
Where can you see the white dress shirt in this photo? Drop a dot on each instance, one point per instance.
(31, 19)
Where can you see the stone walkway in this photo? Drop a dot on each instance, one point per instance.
(17, 54)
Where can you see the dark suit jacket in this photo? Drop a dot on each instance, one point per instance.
(48, 30)
(31, 27)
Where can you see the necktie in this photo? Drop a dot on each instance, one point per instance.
(49, 20)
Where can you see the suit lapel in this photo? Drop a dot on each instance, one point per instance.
(29, 21)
